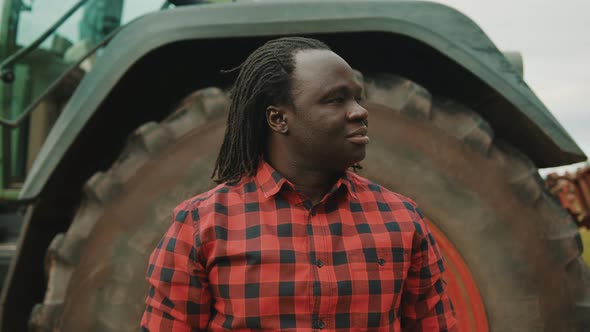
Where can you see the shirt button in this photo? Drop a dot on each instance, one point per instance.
(319, 263)
(381, 261)
(319, 324)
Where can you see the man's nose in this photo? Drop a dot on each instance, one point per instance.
(358, 113)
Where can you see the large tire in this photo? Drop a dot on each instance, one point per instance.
(519, 245)
(96, 270)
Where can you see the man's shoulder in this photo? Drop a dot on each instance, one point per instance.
(222, 194)
(368, 188)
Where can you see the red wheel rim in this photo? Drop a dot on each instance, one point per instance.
(462, 289)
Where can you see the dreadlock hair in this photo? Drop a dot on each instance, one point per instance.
(264, 79)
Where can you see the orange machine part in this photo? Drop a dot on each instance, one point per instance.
(573, 192)
(461, 286)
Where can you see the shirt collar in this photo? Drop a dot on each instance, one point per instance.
(271, 182)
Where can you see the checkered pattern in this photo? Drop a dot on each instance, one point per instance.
(259, 256)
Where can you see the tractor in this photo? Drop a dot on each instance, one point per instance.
(105, 133)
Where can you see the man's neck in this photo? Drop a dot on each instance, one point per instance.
(312, 181)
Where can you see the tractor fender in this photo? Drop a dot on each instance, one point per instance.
(524, 121)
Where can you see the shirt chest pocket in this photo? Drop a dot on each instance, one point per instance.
(377, 276)
(372, 264)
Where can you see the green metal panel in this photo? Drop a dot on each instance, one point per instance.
(100, 18)
(19, 135)
(9, 194)
(8, 26)
(442, 28)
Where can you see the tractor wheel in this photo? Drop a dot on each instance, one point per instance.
(96, 271)
(512, 253)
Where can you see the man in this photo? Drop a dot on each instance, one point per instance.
(290, 239)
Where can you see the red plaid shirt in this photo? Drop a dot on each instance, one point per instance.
(259, 256)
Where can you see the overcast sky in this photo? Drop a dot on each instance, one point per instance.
(553, 37)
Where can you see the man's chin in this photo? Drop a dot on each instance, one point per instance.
(360, 156)
(338, 163)
(356, 160)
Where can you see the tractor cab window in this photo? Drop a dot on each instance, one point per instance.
(72, 39)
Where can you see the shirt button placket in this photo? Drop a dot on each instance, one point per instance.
(316, 323)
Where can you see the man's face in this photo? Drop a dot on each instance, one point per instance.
(327, 125)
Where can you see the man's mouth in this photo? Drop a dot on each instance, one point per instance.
(359, 136)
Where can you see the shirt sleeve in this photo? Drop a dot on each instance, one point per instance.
(425, 305)
(178, 298)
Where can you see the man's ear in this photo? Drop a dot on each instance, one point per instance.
(276, 118)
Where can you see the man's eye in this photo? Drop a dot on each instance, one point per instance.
(359, 99)
(336, 100)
